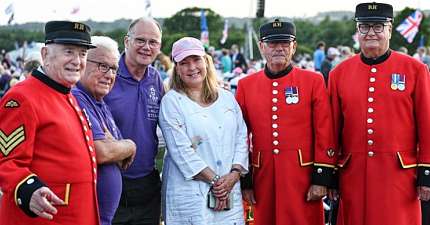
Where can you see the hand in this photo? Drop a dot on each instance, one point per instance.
(224, 185)
(125, 163)
(333, 194)
(423, 193)
(248, 195)
(220, 204)
(42, 203)
(316, 192)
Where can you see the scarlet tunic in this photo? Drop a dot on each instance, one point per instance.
(45, 141)
(381, 110)
(287, 138)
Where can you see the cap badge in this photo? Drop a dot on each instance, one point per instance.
(372, 7)
(276, 24)
(79, 26)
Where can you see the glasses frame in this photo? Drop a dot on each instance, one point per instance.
(372, 26)
(103, 67)
(141, 42)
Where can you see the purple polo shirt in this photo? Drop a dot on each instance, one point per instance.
(135, 106)
(109, 181)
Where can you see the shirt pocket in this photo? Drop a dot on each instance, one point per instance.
(305, 158)
(407, 159)
(256, 159)
(344, 160)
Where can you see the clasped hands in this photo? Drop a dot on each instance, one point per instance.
(222, 188)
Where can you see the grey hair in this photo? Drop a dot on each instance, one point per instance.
(106, 42)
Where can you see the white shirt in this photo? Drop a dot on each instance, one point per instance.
(198, 137)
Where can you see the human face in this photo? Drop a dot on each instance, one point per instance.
(65, 64)
(374, 38)
(192, 71)
(142, 44)
(97, 80)
(278, 54)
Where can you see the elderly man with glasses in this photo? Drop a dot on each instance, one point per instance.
(112, 152)
(135, 102)
(381, 105)
(287, 112)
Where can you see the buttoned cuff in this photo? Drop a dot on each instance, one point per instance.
(324, 175)
(246, 181)
(423, 176)
(23, 192)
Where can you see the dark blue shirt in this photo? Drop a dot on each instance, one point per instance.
(109, 182)
(135, 106)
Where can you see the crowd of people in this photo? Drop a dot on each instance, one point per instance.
(78, 131)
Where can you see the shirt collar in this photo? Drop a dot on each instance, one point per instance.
(40, 75)
(273, 75)
(124, 72)
(83, 89)
(374, 61)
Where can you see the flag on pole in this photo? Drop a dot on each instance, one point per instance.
(10, 20)
(10, 10)
(204, 37)
(148, 8)
(75, 10)
(410, 26)
(224, 33)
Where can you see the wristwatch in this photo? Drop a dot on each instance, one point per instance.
(236, 170)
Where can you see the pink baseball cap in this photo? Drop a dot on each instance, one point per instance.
(185, 47)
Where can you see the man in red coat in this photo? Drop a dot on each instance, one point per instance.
(47, 159)
(381, 106)
(287, 112)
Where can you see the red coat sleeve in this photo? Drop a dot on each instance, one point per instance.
(324, 155)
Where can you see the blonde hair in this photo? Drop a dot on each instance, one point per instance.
(210, 82)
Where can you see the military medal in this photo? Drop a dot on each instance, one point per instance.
(291, 95)
(401, 83)
(394, 81)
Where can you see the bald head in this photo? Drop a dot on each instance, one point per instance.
(146, 21)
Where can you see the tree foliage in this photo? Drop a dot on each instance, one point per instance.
(187, 23)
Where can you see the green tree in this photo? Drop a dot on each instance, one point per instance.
(187, 23)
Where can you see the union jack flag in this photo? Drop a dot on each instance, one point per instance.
(410, 26)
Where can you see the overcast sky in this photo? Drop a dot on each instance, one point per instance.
(109, 10)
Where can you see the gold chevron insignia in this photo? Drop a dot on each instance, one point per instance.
(11, 141)
(11, 104)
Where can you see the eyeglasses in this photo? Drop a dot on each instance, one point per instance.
(364, 28)
(103, 67)
(283, 44)
(141, 42)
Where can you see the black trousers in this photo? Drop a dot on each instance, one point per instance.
(140, 202)
(425, 210)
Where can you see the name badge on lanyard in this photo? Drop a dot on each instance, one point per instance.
(398, 82)
(291, 95)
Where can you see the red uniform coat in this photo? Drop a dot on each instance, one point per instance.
(45, 140)
(380, 126)
(287, 139)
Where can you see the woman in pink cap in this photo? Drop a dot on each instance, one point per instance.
(207, 150)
